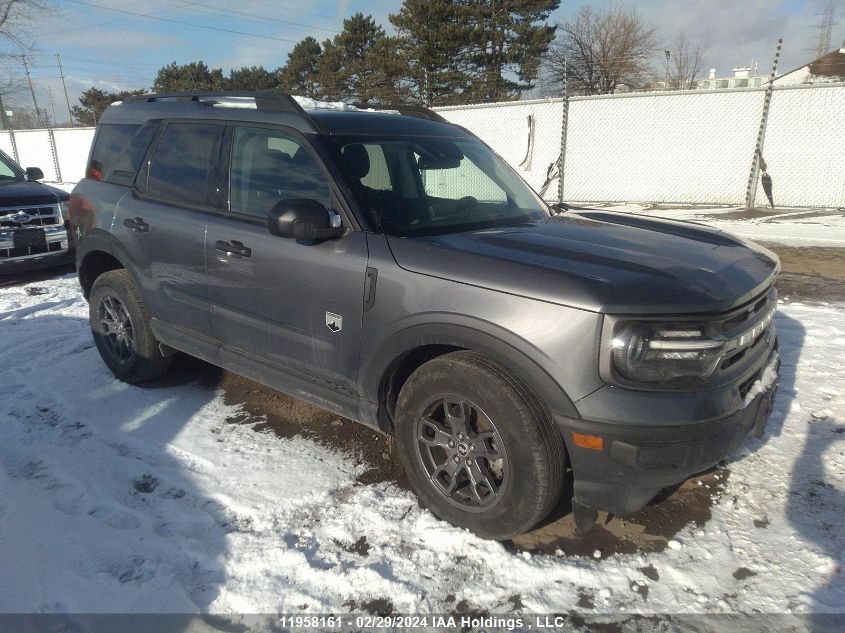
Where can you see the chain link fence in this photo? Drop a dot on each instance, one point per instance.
(527, 134)
(60, 153)
(689, 147)
(804, 147)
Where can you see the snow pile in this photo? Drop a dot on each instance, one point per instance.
(123, 499)
(762, 384)
(307, 103)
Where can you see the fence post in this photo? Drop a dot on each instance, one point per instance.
(564, 124)
(55, 154)
(753, 177)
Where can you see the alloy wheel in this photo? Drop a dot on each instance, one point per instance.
(116, 329)
(462, 453)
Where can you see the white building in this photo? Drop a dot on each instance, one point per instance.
(743, 77)
(826, 69)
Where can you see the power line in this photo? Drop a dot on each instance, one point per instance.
(184, 23)
(96, 24)
(294, 10)
(257, 18)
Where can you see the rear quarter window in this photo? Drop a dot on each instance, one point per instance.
(118, 152)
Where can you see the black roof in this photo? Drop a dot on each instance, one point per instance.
(365, 123)
(258, 107)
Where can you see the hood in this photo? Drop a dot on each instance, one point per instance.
(601, 261)
(24, 192)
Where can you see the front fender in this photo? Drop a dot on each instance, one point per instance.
(504, 348)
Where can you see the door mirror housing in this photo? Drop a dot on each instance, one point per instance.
(34, 173)
(302, 219)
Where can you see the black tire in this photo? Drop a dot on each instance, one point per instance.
(120, 324)
(516, 484)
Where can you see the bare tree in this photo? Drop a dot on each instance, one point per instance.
(602, 50)
(687, 62)
(17, 15)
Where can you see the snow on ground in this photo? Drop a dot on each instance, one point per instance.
(793, 227)
(116, 498)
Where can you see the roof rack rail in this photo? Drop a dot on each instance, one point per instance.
(263, 100)
(419, 112)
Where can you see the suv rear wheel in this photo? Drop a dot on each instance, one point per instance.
(478, 448)
(120, 324)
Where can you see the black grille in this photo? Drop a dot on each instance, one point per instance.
(736, 322)
(38, 216)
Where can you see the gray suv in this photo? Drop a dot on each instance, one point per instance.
(389, 267)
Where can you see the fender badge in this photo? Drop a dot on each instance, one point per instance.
(334, 322)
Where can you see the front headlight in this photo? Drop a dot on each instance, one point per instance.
(662, 353)
(680, 354)
(63, 207)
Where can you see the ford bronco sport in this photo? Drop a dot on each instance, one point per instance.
(33, 232)
(389, 267)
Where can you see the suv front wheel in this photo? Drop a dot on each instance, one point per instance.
(478, 448)
(120, 323)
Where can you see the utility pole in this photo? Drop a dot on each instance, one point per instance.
(52, 106)
(825, 30)
(32, 91)
(67, 101)
(668, 55)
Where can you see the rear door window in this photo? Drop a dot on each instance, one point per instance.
(118, 152)
(183, 163)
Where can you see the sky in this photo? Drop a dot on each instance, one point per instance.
(112, 45)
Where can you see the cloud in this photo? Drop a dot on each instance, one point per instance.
(112, 40)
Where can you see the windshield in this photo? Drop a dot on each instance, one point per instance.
(429, 185)
(8, 169)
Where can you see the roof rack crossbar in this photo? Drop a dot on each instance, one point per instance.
(263, 100)
(419, 112)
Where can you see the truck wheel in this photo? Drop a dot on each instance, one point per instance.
(120, 324)
(478, 448)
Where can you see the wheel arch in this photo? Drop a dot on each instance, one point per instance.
(399, 355)
(93, 264)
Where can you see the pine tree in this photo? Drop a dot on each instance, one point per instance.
(508, 40)
(253, 78)
(433, 44)
(352, 61)
(93, 101)
(193, 77)
(300, 75)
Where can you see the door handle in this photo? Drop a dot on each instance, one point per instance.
(137, 224)
(233, 248)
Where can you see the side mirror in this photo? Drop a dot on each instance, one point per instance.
(34, 173)
(302, 219)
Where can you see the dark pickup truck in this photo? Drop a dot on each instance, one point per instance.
(33, 227)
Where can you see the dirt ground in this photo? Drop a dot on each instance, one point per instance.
(809, 274)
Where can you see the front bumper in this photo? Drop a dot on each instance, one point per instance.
(638, 461)
(61, 251)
